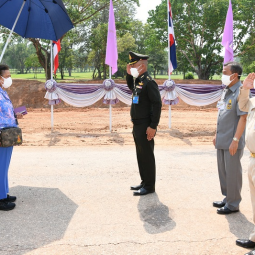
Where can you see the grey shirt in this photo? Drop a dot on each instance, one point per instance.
(228, 118)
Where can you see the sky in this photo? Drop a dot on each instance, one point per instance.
(145, 6)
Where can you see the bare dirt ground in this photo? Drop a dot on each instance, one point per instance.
(90, 127)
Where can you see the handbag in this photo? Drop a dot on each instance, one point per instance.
(10, 137)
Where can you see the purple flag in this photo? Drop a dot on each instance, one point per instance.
(111, 58)
(227, 39)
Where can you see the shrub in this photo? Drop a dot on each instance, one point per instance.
(189, 76)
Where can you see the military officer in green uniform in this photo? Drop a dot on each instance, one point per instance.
(145, 114)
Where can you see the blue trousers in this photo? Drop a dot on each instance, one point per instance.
(5, 158)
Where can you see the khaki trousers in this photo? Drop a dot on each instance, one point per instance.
(251, 177)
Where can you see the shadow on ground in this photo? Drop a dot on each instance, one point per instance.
(41, 216)
(155, 215)
(239, 225)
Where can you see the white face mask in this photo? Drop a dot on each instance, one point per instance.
(226, 79)
(134, 72)
(7, 82)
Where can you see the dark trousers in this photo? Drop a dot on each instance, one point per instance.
(145, 156)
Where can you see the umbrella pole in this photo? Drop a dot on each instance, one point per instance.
(51, 76)
(14, 25)
(110, 106)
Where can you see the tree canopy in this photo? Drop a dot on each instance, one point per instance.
(198, 27)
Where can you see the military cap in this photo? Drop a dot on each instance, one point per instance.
(135, 57)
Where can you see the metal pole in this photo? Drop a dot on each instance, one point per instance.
(169, 55)
(51, 76)
(9, 38)
(110, 106)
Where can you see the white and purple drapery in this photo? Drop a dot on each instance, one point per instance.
(192, 94)
(82, 95)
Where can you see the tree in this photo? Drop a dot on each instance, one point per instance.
(80, 12)
(155, 49)
(32, 62)
(17, 54)
(248, 57)
(125, 43)
(199, 27)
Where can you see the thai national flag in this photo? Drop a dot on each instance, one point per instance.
(56, 50)
(173, 60)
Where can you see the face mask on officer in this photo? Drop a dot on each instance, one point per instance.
(7, 82)
(226, 80)
(134, 72)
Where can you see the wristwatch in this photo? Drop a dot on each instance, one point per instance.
(235, 139)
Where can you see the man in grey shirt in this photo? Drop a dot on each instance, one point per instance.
(229, 140)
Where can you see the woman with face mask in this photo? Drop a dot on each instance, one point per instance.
(7, 119)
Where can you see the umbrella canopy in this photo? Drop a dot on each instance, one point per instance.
(45, 19)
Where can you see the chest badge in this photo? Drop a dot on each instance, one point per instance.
(141, 83)
(229, 105)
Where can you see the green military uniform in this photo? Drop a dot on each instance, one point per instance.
(145, 113)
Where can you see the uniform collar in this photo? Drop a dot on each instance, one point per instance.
(236, 86)
(143, 76)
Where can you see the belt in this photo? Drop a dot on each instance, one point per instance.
(252, 155)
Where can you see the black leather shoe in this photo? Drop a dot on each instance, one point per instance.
(250, 253)
(143, 191)
(245, 243)
(6, 206)
(218, 204)
(225, 210)
(10, 199)
(136, 187)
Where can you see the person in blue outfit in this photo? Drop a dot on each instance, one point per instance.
(7, 119)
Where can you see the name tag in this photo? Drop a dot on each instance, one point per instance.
(135, 99)
(221, 105)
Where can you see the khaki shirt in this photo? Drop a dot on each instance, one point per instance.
(228, 118)
(248, 104)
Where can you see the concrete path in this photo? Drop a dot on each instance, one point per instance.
(76, 200)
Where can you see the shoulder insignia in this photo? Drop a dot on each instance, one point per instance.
(142, 76)
(149, 78)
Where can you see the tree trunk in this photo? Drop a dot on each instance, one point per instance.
(41, 54)
(203, 75)
(62, 73)
(105, 72)
(70, 72)
(99, 73)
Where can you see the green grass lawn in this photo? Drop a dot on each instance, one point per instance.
(88, 76)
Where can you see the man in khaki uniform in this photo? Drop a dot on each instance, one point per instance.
(247, 104)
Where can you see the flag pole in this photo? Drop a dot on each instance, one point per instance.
(14, 25)
(51, 76)
(110, 106)
(169, 72)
